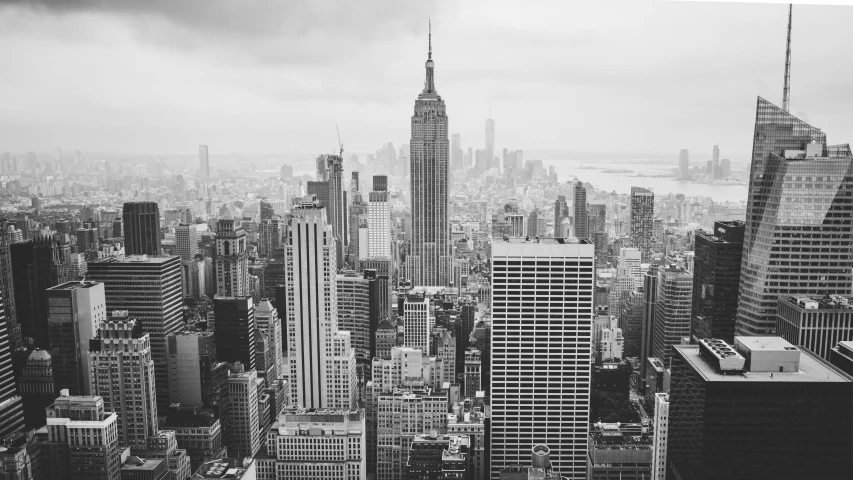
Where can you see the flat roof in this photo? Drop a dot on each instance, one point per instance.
(75, 284)
(134, 259)
(812, 369)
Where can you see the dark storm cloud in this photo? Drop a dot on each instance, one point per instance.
(300, 31)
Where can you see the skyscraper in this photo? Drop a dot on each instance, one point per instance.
(379, 220)
(716, 272)
(149, 289)
(235, 330)
(7, 287)
(192, 376)
(684, 164)
(76, 311)
(797, 200)
(661, 435)
(83, 439)
(490, 144)
(429, 156)
(11, 409)
(541, 368)
(232, 258)
(718, 172)
(354, 314)
(336, 210)
(581, 221)
(322, 361)
(243, 421)
(269, 238)
(642, 220)
(748, 411)
(561, 212)
(186, 242)
(203, 163)
(267, 320)
(672, 309)
(123, 375)
(141, 228)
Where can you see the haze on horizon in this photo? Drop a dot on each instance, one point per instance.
(627, 77)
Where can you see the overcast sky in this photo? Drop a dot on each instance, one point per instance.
(259, 76)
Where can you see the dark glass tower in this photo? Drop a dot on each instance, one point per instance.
(798, 236)
(716, 271)
(581, 218)
(235, 330)
(141, 228)
(429, 151)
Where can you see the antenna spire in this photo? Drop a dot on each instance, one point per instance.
(429, 57)
(786, 93)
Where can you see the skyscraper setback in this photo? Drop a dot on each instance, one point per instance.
(798, 237)
(429, 156)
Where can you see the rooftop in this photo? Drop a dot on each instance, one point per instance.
(812, 369)
(827, 302)
(74, 285)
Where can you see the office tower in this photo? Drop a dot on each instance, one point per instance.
(267, 320)
(194, 378)
(141, 228)
(235, 330)
(292, 445)
(429, 152)
(716, 272)
(561, 212)
(434, 456)
(726, 167)
(203, 163)
(336, 209)
(672, 309)
(490, 143)
(35, 386)
(795, 200)
(561, 336)
(123, 375)
(418, 320)
(232, 258)
(186, 242)
(36, 266)
(684, 164)
(322, 361)
(76, 311)
(581, 222)
(149, 289)
(11, 409)
(401, 416)
(379, 220)
(642, 217)
(442, 345)
(269, 238)
(773, 388)
(650, 296)
(661, 426)
(631, 322)
(7, 288)
(456, 162)
(321, 191)
(354, 314)
(83, 439)
(473, 372)
(815, 323)
(196, 277)
(243, 421)
(612, 342)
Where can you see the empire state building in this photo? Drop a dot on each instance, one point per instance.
(429, 261)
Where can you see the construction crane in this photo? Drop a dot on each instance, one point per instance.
(339, 141)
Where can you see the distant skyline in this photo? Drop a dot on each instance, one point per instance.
(641, 78)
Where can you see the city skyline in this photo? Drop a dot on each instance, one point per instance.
(710, 105)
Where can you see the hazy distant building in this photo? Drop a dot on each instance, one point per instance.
(141, 228)
(561, 212)
(490, 143)
(581, 223)
(456, 161)
(203, 163)
(642, 220)
(798, 238)
(684, 164)
(429, 191)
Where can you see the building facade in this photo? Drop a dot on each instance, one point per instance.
(141, 221)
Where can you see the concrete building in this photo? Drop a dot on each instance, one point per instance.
(561, 337)
(770, 386)
(197, 431)
(379, 220)
(619, 451)
(83, 439)
(76, 311)
(401, 416)
(322, 360)
(123, 375)
(468, 418)
(186, 242)
(386, 338)
(443, 346)
(661, 437)
(311, 443)
(612, 342)
(434, 456)
(231, 468)
(243, 421)
(816, 323)
(473, 372)
(231, 258)
(418, 321)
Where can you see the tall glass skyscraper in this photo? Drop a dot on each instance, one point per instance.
(429, 151)
(798, 238)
